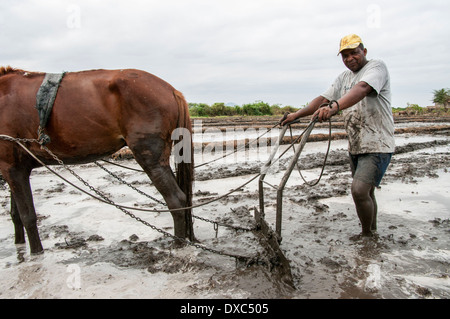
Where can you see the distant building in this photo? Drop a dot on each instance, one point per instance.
(441, 105)
(438, 106)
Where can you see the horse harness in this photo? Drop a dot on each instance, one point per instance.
(45, 98)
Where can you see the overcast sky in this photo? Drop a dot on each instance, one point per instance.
(237, 51)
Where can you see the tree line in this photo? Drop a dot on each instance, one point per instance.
(251, 109)
(441, 97)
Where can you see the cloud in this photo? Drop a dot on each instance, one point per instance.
(241, 51)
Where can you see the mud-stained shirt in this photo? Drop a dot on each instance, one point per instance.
(369, 123)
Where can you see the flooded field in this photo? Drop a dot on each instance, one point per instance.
(93, 250)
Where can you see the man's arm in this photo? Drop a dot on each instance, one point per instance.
(355, 95)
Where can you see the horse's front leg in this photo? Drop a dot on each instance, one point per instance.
(19, 183)
(18, 226)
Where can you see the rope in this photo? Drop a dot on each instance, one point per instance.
(123, 166)
(323, 165)
(237, 149)
(206, 163)
(328, 147)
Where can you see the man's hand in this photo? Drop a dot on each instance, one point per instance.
(325, 113)
(355, 95)
(288, 118)
(306, 111)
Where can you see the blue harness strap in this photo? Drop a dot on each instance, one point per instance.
(45, 98)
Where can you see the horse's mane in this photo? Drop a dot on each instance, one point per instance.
(4, 70)
(8, 69)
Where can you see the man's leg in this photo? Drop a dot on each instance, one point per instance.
(366, 205)
(367, 172)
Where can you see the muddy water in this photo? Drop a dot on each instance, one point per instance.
(94, 251)
(319, 224)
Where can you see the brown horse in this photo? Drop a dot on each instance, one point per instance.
(95, 114)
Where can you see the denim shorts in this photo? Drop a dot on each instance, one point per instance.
(370, 168)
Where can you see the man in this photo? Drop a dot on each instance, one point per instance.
(363, 93)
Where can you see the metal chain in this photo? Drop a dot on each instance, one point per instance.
(164, 204)
(223, 224)
(247, 259)
(166, 234)
(128, 184)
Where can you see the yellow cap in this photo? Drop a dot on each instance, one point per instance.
(351, 41)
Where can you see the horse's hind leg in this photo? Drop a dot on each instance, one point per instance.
(149, 153)
(18, 226)
(164, 180)
(19, 183)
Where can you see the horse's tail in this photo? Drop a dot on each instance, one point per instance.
(185, 167)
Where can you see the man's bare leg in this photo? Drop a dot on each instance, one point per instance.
(366, 206)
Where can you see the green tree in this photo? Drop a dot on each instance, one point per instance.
(199, 109)
(257, 108)
(218, 109)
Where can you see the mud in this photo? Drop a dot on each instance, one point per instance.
(94, 251)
